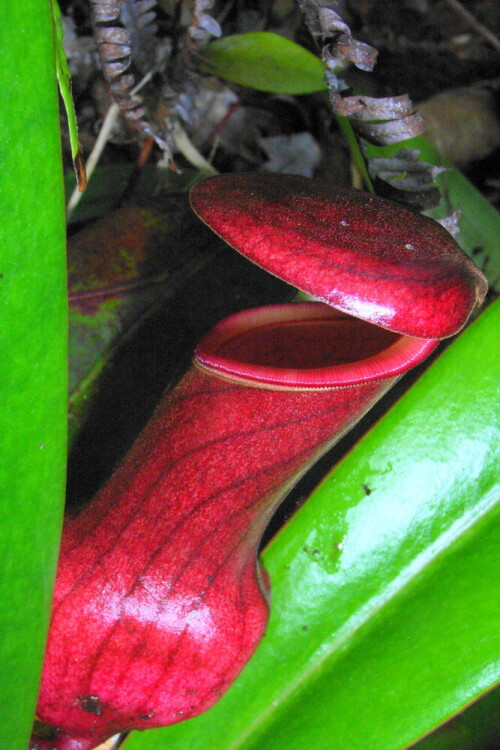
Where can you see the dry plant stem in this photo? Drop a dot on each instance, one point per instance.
(474, 23)
(115, 36)
(381, 121)
(186, 147)
(102, 139)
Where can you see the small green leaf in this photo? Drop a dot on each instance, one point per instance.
(383, 618)
(264, 61)
(33, 372)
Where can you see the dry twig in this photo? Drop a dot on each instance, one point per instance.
(475, 24)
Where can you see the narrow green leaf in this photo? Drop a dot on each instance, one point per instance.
(383, 619)
(265, 61)
(33, 379)
(64, 81)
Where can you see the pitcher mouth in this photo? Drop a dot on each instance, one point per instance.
(306, 345)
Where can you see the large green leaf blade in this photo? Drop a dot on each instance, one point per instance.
(383, 583)
(381, 693)
(33, 381)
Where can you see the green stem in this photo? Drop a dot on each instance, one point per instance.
(356, 153)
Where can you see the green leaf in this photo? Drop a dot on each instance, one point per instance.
(33, 380)
(383, 585)
(265, 61)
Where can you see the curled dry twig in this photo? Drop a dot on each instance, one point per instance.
(333, 36)
(121, 26)
(405, 178)
(125, 32)
(379, 120)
